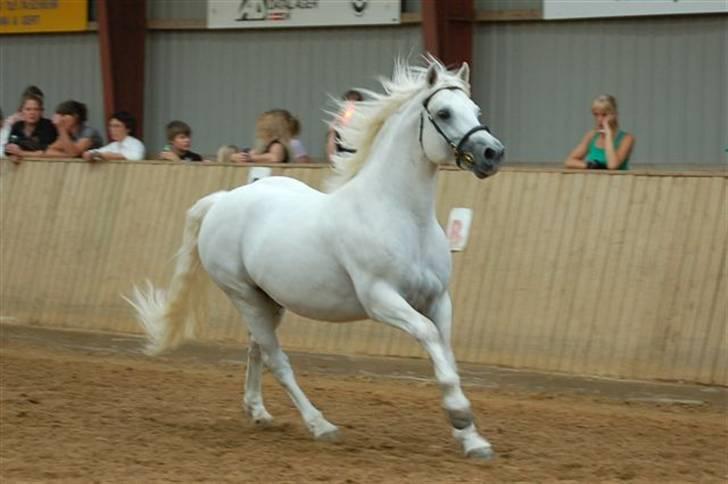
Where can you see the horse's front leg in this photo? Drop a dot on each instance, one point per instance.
(384, 304)
(464, 430)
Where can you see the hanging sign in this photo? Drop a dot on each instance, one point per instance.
(561, 9)
(31, 16)
(458, 228)
(238, 14)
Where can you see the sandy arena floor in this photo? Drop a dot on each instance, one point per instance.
(89, 408)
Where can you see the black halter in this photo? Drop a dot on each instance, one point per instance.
(463, 159)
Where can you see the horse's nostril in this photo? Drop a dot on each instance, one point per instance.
(489, 153)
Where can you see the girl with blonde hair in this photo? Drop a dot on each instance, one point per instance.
(605, 147)
(272, 145)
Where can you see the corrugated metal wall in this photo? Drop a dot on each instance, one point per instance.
(220, 81)
(536, 81)
(177, 9)
(603, 274)
(64, 66)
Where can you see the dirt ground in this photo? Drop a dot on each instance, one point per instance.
(76, 407)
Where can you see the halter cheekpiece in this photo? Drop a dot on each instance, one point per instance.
(464, 160)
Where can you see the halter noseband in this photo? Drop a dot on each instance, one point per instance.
(464, 160)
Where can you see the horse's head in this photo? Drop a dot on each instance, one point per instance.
(449, 126)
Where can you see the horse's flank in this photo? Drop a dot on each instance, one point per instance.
(369, 116)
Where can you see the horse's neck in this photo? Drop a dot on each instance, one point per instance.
(397, 170)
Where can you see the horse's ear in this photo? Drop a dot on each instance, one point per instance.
(431, 75)
(464, 72)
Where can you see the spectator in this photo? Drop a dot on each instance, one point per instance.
(74, 137)
(33, 133)
(272, 141)
(225, 153)
(179, 142)
(18, 115)
(299, 151)
(124, 146)
(294, 130)
(333, 139)
(6, 124)
(3, 135)
(606, 147)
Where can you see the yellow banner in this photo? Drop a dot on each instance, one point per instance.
(29, 16)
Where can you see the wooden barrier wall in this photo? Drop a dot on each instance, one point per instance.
(603, 274)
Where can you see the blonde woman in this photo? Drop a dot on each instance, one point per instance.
(272, 145)
(605, 147)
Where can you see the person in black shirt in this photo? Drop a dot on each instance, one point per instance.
(179, 142)
(334, 145)
(31, 136)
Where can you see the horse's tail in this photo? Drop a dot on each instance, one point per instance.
(170, 316)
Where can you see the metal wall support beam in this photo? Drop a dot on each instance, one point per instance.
(447, 27)
(122, 34)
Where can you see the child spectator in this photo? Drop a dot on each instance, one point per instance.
(225, 153)
(124, 146)
(333, 139)
(299, 152)
(74, 137)
(33, 133)
(605, 147)
(294, 131)
(179, 138)
(272, 141)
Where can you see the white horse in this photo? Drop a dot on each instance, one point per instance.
(370, 248)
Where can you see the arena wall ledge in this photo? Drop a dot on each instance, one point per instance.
(606, 274)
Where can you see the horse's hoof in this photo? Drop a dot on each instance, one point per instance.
(259, 416)
(329, 436)
(482, 453)
(263, 421)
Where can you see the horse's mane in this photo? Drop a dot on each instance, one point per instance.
(368, 117)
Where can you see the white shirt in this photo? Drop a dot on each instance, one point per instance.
(4, 134)
(297, 148)
(5, 131)
(130, 147)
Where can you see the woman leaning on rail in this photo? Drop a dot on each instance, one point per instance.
(606, 147)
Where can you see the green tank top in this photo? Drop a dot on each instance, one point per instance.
(598, 156)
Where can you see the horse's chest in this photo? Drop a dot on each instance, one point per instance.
(423, 277)
(420, 286)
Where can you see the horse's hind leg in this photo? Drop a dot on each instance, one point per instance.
(255, 305)
(253, 399)
(263, 315)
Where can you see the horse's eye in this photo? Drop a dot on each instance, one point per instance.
(443, 114)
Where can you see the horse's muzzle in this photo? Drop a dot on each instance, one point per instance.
(483, 159)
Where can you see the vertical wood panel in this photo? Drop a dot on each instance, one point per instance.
(604, 274)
